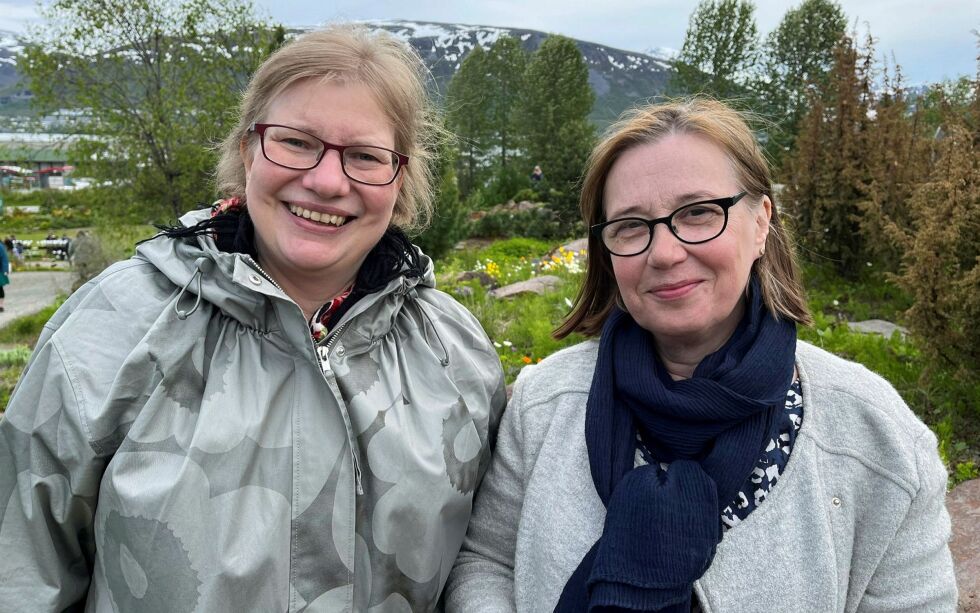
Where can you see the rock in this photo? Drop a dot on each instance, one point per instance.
(581, 244)
(484, 279)
(464, 291)
(963, 504)
(537, 285)
(877, 326)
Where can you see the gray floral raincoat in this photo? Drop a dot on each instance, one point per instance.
(178, 443)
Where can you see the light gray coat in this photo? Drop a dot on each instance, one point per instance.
(221, 462)
(857, 522)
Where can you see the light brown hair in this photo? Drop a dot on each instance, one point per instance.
(353, 55)
(778, 272)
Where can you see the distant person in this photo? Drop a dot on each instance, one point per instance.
(537, 175)
(4, 273)
(696, 456)
(269, 407)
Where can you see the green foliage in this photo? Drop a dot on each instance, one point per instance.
(720, 49)
(520, 328)
(941, 261)
(506, 64)
(897, 157)
(828, 169)
(797, 58)
(467, 117)
(542, 223)
(17, 356)
(482, 109)
(449, 222)
(159, 82)
(25, 330)
(554, 111)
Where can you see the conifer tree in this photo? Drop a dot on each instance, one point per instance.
(720, 49)
(897, 161)
(827, 172)
(554, 118)
(467, 115)
(506, 64)
(941, 264)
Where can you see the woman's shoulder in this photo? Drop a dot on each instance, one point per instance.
(568, 371)
(132, 289)
(855, 412)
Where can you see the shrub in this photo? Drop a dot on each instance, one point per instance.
(941, 263)
(449, 222)
(540, 223)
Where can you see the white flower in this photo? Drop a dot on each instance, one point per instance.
(497, 345)
(508, 344)
(568, 302)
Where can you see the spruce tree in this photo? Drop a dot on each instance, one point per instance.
(827, 171)
(554, 118)
(467, 115)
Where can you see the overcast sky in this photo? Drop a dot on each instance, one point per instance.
(930, 39)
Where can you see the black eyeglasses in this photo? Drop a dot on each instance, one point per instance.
(694, 223)
(298, 150)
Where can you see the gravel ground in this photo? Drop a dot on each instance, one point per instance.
(30, 291)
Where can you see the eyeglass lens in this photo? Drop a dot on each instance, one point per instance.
(694, 223)
(301, 151)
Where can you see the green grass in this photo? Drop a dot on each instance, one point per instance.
(19, 336)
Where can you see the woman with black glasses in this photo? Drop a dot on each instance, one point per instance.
(638, 471)
(269, 407)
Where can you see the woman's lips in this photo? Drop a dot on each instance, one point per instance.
(675, 290)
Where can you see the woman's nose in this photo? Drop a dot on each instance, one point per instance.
(327, 179)
(665, 249)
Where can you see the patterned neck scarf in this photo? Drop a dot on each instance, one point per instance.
(320, 322)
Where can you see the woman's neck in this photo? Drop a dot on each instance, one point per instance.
(310, 292)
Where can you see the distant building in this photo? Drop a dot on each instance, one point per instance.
(33, 160)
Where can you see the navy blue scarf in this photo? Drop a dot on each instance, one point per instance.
(662, 527)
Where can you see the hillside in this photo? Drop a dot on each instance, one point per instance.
(619, 78)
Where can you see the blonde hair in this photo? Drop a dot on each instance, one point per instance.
(349, 54)
(778, 272)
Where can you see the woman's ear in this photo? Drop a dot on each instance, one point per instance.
(246, 155)
(763, 215)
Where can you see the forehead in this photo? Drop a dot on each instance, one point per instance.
(334, 110)
(677, 169)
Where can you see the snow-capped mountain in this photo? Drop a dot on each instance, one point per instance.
(619, 78)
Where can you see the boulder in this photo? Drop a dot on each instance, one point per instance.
(536, 285)
(877, 326)
(484, 279)
(581, 244)
(964, 511)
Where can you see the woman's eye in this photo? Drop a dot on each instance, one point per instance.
(296, 143)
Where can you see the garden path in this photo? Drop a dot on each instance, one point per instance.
(31, 291)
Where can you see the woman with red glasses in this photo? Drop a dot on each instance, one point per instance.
(269, 407)
(695, 456)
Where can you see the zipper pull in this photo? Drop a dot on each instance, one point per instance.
(357, 474)
(324, 354)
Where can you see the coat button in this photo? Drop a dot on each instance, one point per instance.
(254, 279)
(836, 502)
(340, 350)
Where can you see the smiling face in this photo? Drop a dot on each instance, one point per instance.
(690, 297)
(304, 255)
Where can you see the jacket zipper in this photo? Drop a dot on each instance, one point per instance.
(268, 278)
(323, 354)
